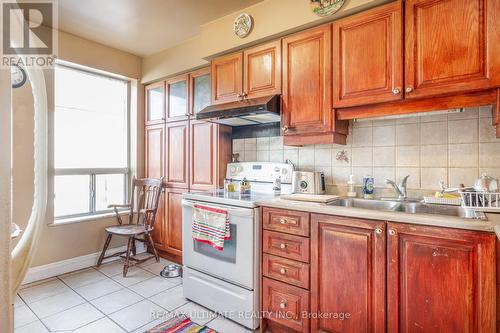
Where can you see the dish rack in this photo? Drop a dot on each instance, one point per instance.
(443, 201)
(481, 201)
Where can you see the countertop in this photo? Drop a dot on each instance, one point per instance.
(491, 225)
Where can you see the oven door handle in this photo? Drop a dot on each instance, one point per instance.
(231, 210)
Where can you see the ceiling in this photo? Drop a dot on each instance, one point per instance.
(142, 27)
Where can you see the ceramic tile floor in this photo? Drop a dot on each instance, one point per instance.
(98, 300)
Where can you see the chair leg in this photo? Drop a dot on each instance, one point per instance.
(152, 244)
(104, 249)
(134, 250)
(127, 258)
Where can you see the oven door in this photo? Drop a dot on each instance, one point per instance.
(236, 263)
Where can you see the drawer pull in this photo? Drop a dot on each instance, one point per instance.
(282, 246)
(282, 271)
(283, 221)
(283, 305)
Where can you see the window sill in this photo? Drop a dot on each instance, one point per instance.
(83, 219)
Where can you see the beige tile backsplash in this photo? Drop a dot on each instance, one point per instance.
(455, 148)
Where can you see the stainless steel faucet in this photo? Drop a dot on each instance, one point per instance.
(399, 189)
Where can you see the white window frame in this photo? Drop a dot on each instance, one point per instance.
(92, 214)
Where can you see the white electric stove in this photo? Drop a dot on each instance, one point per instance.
(227, 281)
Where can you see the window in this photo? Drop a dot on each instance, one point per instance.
(91, 155)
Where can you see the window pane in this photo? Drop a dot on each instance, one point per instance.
(90, 120)
(71, 195)
(109, 190)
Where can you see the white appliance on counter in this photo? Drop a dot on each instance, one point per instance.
(227, 281)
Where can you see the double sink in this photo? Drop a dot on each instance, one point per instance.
(409, 206)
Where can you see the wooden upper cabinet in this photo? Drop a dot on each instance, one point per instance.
(155, 103)
(262, 70)
(177, 98)
(440, 280)
(199, 90)
(203, 154)
(173, 216)
(177, 136)
(368, 57)
(307, 79)
(451, 46)
(348, 274)
(227, 78)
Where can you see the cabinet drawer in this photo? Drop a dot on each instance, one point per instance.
(285, 304)
(288, 246)
(291, 222)
(288, 271)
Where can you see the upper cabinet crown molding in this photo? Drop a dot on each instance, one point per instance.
(368, 57)
(451, 46)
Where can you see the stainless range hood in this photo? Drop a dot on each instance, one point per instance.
(261, 110)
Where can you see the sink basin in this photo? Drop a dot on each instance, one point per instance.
(411, 207)
(367, 204)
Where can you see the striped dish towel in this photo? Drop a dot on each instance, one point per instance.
(211, 225)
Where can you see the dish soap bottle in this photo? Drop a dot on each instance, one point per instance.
(351, 192)
(368, 184)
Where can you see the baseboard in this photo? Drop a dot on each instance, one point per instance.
(43, 272)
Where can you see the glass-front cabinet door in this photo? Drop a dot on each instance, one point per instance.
(200, 87)
(177, 98)
(155, 103)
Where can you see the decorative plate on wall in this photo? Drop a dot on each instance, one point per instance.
(243, 24)
(326, 7)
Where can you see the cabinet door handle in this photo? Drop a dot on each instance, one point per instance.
(396, 91)
(282, 271)
(282, 246)
(378, 231)
(392, 232)
(409, 89)
(285, 129)
(283, 304)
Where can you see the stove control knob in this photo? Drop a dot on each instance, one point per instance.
(232, 169)
(276, 169)
(239, 169)
(284, 171)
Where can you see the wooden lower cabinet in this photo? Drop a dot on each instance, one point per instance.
(378, 276)
(286, 304)
(440, 280)
(347, 275)
(173, 221)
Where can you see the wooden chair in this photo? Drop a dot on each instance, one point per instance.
(141, 218)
